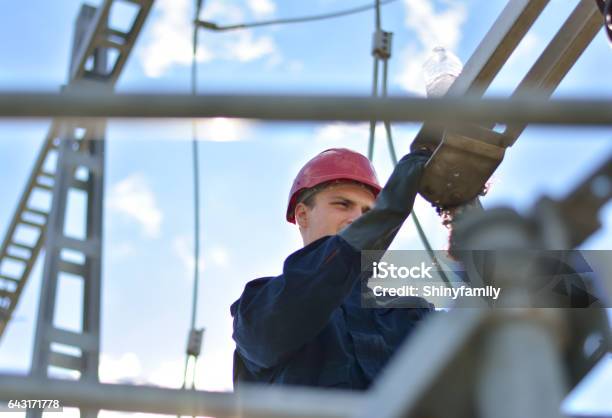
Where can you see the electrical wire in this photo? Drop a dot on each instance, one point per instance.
(196, 175)
(392, 153)
(196, 203)
(341, 13)
(374, 82)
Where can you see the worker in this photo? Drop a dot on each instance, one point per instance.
(307, 326)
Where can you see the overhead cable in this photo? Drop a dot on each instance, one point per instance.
(194, 341)
(381, 51)
(302, 19)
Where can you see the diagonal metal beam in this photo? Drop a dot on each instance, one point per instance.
(406, 385)
(99, 35)
(490, 55)
(558, 58)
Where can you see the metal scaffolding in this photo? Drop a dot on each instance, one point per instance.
(447, 110)
(541, 351)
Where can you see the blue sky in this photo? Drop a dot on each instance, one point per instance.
(247, 166)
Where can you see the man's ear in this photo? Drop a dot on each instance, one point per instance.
(301, 215)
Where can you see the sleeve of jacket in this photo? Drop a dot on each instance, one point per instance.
(276, 316)
(376, 229)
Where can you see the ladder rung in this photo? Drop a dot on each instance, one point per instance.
(115, 32)
(16, 257)
(10, 279)
(45, 176)
(80, 159)
(65, 361)
(37, 212)
(19, 252)
(109, 43)
(79, 184)
(30, 223)
(83, 341)
(88, 247)
(72, 268)
(22, 246)
(43, 186)
(6, 294)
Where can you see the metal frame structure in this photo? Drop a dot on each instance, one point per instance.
(449, 110)
(525, 339)
(80, 169)
(91, 35)
(70, 161)
(506, 362)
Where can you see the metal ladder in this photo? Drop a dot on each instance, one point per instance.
(92, 35)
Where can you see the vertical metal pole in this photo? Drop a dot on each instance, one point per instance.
(80, 167)
(373, 122)
(520, 374)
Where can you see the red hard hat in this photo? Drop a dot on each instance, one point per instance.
(332, 164)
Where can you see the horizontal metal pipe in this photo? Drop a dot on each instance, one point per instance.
(316, 108)
(264, 402)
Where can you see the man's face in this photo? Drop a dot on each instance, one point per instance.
(334, 207)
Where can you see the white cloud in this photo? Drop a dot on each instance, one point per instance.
(261, 8)
(435, 29)
(219, 256)
(432, 29)
(525, 49)
(517, 65)
(133, 198)
(295, 66)
(214, 371)
(207, 129)
(212, 374)
(183, 248)
(125, 369)
(169, 374)
(245, 47)
(170, 42)
(120, 250)
(223, 129)
(411, 75)
(339, 133)
(171, 37)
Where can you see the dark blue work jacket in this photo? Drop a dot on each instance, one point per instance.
(307, 326)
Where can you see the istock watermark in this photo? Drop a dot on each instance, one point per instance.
(496, 279)
(383, 270)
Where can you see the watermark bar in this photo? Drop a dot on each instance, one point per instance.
(248, 401)
(447, 110)
(23, 405)
(485, 279)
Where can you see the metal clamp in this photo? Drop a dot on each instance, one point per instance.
(381, 44)
(194, 344)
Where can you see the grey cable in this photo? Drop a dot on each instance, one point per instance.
(391, 146)
(196, 201)
(196, 175)
(214, 27)
(373, 121)
(374, 83)
(415, 218)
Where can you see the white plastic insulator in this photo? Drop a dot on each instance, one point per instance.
(440, 70)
